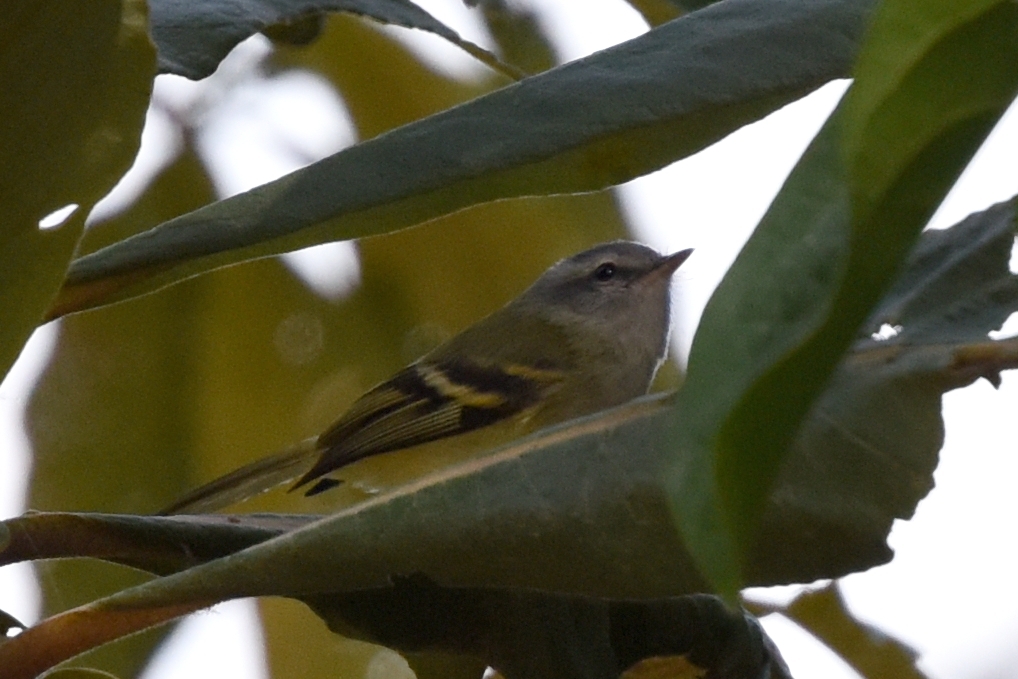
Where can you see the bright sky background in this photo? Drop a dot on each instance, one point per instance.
(951, 590)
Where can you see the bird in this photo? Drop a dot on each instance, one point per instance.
(587, 335)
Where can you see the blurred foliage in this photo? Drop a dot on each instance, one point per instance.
(145, 399)
(869, 651)
(824, 613)
(79, 109)
(656, 12)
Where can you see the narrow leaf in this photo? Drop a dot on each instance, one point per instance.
(159, 545)
(593, 123)
(193, 37)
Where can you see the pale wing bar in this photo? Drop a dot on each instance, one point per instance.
(425, 402)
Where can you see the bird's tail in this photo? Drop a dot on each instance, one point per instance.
(248, 481)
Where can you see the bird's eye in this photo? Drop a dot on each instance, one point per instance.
(605, 272)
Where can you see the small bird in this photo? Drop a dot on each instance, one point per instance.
(589, 334)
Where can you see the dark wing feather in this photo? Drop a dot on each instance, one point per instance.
(247, 482)
(424, 402)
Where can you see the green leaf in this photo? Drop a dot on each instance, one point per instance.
(75, 89)
(821, 258)
(518, 32)
(159, 545)
(954, 288)
(767, 298)
(931, 80)
(593, 123)
(193, 37)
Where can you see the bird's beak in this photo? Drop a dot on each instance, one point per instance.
(664, 269)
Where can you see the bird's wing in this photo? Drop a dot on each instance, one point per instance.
(248, 481)
(429, 400)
